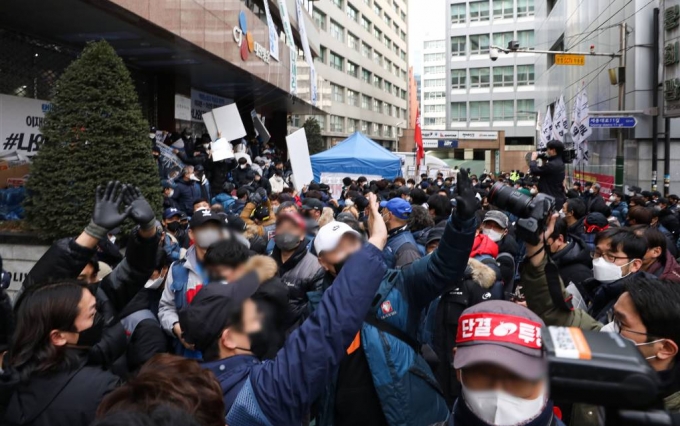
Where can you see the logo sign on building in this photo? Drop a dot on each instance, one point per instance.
(246, 43)
(440, 134)
(671, 58)
(20, 122)
(484, 136)
(573, 60)
(450, 144)
(182, 108)
(430, 143)
(202, 103)
(613, 122)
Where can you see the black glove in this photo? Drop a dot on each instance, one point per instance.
(466, 202)
(106, 215)
(141, 212)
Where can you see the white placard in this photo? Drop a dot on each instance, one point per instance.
(262, 131)
(226, 121)
(221, 150)
(20, 122)
(334, 181)
(299, 158)
(182, 108)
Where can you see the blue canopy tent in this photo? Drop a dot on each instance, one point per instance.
(357, 154)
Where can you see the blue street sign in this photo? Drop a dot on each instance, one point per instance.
(613, 122)
(442, 143)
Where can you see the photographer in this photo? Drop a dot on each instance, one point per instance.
(645, 312)
(551, 172)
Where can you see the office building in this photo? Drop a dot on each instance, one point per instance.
(482, 93)
(364, 66)
(433, 85)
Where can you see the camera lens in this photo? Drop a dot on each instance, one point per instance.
(508, 199)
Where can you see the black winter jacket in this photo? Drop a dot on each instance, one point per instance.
(185, 194)
(574, 262)
(552, 179)
(59, 398)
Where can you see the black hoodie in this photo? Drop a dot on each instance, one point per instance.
(574, 262)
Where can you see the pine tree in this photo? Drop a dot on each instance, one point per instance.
(313, 134)
(94, 133)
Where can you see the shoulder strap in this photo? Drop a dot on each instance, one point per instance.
(388, 328)
(555, 287)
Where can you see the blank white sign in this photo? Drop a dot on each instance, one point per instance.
(299, 158)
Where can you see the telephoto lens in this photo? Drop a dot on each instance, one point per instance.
(508, 199)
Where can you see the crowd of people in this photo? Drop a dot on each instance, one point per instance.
(247, 302)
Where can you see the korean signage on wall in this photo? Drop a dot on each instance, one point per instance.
(20, 122)
(202, 102)
(671, 57)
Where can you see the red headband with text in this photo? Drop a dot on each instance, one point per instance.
(499, 328)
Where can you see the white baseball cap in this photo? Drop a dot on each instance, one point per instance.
(329, 236)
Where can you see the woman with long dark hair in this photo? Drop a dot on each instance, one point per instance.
(48, 359)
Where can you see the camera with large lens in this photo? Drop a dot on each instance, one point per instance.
(533, 212)
(568, 155)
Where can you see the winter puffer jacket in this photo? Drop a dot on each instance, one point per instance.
(443, 315)
(185, 194)
(670, 270)
(574, 262)
(301, 273)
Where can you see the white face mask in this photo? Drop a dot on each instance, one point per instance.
(243, 166)
(591, 190)
(154, 284)
(606, 272)
(497, 407)
(533, 191)
(613, 327)
(152, 136)
(410, 185)
(171, 193)
(349, 203)
(562, 214)
(493, 234)
(206, 145)
(112, 238)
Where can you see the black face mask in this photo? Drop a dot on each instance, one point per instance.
(174, 226)
(259, 344)
(92, 335)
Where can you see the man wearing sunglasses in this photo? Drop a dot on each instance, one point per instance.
(641, 308)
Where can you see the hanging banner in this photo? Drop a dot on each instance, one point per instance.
(182, 108)
(20, 122)
(283, 9)
(560, 123)
(308, 53)
(293, 73)
(273, 36)
(575, 120)
(546, 130)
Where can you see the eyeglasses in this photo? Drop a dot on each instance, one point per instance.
(620, 328)
(607, 256)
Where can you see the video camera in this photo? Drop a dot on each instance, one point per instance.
(568, 155)
(533, 212)
(606, 370)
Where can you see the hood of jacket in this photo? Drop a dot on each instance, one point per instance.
(575, 252)
(265, 267)
(481, 274)
(484, 245)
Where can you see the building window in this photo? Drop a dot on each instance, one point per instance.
(503, 76)
(352, 13)
(402, 35)
(351, 125)
(434, 108)
(435, 82)
(338, 93)
(525, 109)
(337, 31)
(458, 111)
(526, 39)
(319, 18)
(336, 62)
(352, 98)
(479, 77)
(458, 13)
(337, 123)
(502, 9)
(403, 75)
(503, 111)
(395, 27)
(457, 46)
(338, 3)
(366, 23)
(365, 50)
(433, 96)
(322, 122)
(375, 129)
(323, 54)
(377, 9)
(366, 102)
(480, 111)
(377, 81)
(402, 93)
(353, 69)
(366, 76)
(387, 42)
(434, 44)
(402, 55)
(402, 15)
(387, 64)
(368, 2)
(458, 78)
(479, 44)
(352, 41)
(525, 75)
(377, 33)
(479, 11)
(364, 126)
(387, 19)
(395, 49)
(395, 7)
(388, 87)
(434, 70)
(525, 8)
(502, 39)
(377, 58)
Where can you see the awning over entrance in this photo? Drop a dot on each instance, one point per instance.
(198, 50)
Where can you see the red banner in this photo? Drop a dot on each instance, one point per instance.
(420, 151)
(499, 328)
(606, 181)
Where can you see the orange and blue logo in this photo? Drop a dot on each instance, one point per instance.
(249, 45)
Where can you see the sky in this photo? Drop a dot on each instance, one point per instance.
(426, 21)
